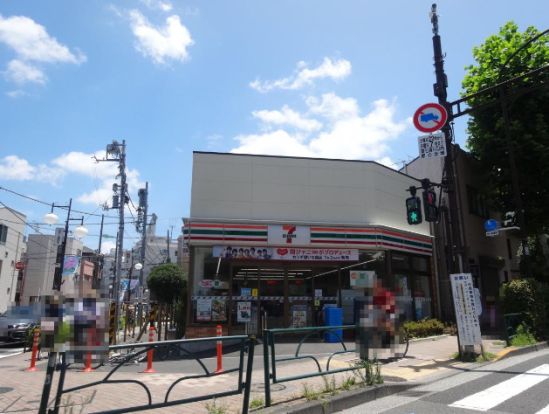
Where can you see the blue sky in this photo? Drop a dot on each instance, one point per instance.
(312, 77)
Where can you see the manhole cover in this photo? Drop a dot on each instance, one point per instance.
(4, 390)
(261, 387)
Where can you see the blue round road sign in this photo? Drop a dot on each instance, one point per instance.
(490, 225)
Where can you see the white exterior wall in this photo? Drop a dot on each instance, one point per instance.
(285, 189)
(10, 254)
(40, 267)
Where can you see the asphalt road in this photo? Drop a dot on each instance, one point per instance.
(9, 349)
(516, 385)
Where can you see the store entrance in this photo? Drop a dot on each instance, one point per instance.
(267, 297)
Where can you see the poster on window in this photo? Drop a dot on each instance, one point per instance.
(203, 309)
(244, 311)
(219, 310)
(362, 279)
(299, 317)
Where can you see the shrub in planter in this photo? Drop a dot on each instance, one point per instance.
(424, 328)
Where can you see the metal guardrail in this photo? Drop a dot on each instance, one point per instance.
(176, 349)
(270, 359)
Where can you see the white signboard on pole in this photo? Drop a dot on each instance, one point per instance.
(468, 324)
(432, 145)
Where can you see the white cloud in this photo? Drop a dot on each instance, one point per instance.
(165, 6)
(74, 164)
(161, 43)
(107, 246)
(18, 169)
(345, 132)
(31, 43)
(21, 72)
(303, 76)
(289, 117)
(105, 172)
(18, 93)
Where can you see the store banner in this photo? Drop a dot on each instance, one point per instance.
(466, 312)
(286, 253)
(69, 275)
(244, 311)
(288, 234)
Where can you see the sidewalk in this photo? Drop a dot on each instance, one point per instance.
(20, 391)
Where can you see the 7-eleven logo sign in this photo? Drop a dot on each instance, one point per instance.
(289, 233)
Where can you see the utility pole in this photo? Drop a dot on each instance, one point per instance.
(458, 263)
(168, 260)
(141, 224)
(116, 152)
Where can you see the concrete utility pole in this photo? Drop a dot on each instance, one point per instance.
(457, 251)
(168, 260)
(142, 221)
(116, 152)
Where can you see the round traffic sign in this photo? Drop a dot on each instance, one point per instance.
(430, 117)
(491, 225)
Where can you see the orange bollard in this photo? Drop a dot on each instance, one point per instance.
(88, 364)
(219, 351)
(36, 336)
(150, 369)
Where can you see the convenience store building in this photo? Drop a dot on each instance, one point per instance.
(273, 240)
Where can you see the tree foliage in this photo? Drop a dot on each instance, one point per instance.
(167, 283)
(528, 127)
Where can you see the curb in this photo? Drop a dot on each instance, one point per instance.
(342, 401)
(514, 351)
(429, 338)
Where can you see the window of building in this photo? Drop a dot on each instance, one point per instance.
(477, 203)
(3, 233)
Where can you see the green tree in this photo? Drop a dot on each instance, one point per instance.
(167, 283)
(529, 123)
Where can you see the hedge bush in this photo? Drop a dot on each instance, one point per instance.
(424, 328)
(528, 297)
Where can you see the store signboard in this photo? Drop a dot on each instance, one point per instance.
(288, 234)
(244, 311)
(466, 313)
(286, 253)
(204, 309)
(362, 279)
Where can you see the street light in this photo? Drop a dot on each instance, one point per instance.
(80, 231)
(138, 266)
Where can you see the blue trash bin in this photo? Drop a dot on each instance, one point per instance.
(333, 317)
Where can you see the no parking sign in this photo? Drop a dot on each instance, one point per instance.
(430, 117)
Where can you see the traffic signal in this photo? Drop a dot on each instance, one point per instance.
(413, 210)
(430, 205)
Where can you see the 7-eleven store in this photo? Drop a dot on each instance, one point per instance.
(268, 249)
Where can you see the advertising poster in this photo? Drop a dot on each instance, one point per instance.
(244, 311)
(466, 312)
(203, 309)
(245, 291)
(219, 310)
(362, 279)
(69, 276)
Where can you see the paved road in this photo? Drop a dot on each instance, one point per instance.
(516, 385)
(7, 350)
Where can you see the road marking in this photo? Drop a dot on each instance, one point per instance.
(9, 355)
(544, 410)
(490, 397)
